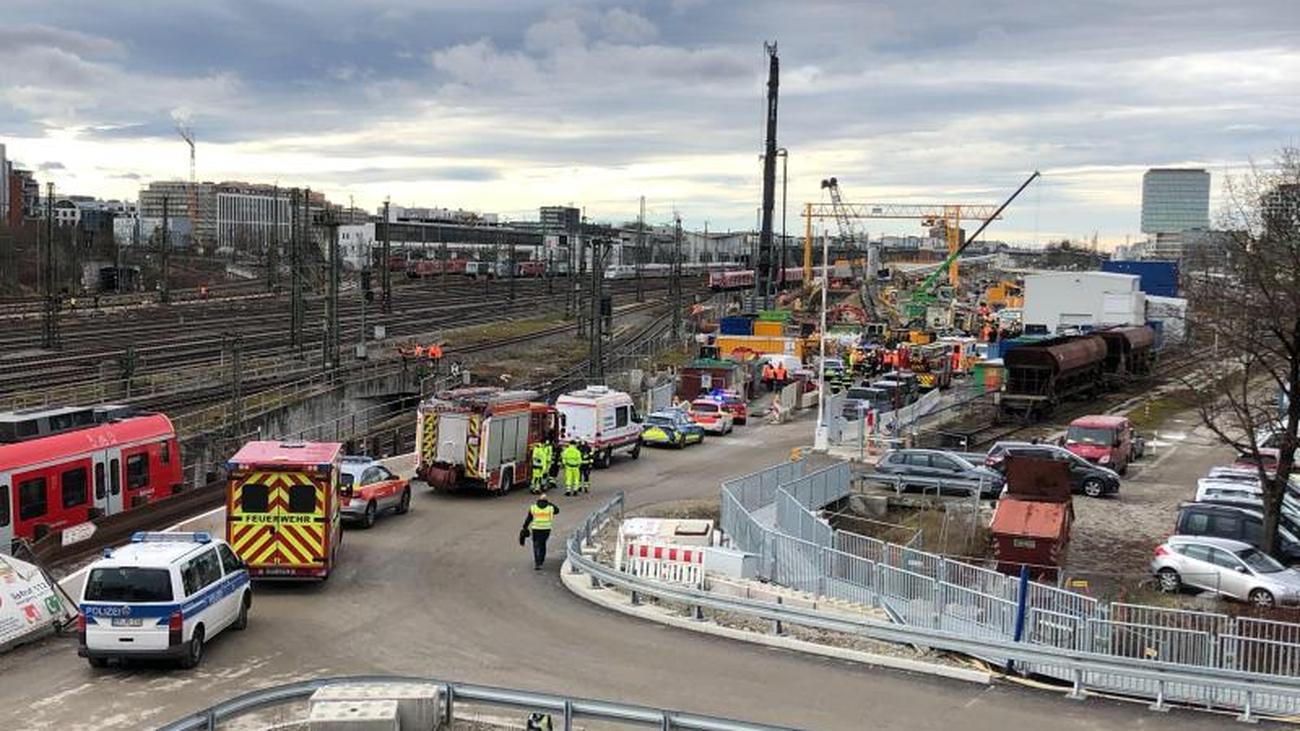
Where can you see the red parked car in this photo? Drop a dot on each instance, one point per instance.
(735, 403)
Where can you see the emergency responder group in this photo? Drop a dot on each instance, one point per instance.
(576, 458)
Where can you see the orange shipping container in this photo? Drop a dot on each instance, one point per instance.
(773, 329)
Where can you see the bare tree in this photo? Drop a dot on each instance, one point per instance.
(1244, 290)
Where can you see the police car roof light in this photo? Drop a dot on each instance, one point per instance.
(163, 537)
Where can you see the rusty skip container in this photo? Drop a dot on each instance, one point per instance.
(1031, 533)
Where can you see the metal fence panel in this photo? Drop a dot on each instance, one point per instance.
(796, 564)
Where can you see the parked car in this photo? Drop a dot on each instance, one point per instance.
(1229, 568)
(711, 416)
(1085, 477)
(735, 403)
(671, 427)
(368, 488)
(1267, 456)
(1109, 441)
(1234, 474)
(1238, 523)
(858, 400)
(934, 468)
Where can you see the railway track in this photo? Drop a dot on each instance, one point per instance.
(181, 340)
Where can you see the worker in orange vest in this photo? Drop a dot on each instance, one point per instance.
(769, 376)
(780, 375)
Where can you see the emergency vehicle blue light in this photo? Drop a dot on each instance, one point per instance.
(162, 537)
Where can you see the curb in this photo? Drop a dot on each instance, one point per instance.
(579, 585)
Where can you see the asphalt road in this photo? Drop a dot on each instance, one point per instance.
(446, 591)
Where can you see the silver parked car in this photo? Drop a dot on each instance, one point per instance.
(1229, 568)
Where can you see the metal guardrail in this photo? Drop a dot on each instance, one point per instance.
(1085, 669)
(568, 708)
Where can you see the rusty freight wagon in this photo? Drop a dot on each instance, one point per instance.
(1041, 375)
(1130, 351)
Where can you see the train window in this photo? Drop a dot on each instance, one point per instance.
(253, 498)
(165, 452)
(99, 480)
(32, 498)
(4, 505)
(137, 471)
(73, 485)
(115, 476)
(302, 499)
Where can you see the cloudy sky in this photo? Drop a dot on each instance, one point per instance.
(506, 105)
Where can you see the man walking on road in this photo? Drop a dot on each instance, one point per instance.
(538, 523)
(571, 458)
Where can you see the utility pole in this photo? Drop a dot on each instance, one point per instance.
(675, 279)
(298, 232)
(331, 359)
(50, 329)
(385, 275)
(510, 256)
(164, 291)
(273, 246)
(596, 351)
(234, 343)
(577, 274)
(763, 272)
(640, 250)
(442, 255)
(785, 161)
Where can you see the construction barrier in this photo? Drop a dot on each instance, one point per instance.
(670, 564)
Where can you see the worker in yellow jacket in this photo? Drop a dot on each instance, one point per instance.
(571, 458)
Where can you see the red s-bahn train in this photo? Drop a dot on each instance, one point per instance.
(61, 467)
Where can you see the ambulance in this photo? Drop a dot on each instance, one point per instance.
(282, 508)
(605, 419)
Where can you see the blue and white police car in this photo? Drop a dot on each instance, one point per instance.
(162, 596)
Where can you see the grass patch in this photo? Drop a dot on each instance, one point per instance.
(479, 334)
(1152, 414)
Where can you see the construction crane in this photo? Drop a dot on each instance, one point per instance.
(187, 133)
(949, 215)
(849, 234)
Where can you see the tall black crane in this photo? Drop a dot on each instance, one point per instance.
(764, 282)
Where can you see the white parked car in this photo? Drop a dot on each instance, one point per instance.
(1229, 568)
(162, 596)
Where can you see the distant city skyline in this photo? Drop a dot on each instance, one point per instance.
(509, 106)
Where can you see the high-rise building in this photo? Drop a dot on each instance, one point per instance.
(560, 218)
(1175, 200)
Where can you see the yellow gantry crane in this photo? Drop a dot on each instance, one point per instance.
(930, 214)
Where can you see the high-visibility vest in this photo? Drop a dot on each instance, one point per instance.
(780, 371)
(768, 373)
(539, 456)
(571, 456)
(543, 518)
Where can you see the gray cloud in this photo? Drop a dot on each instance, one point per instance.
(925, 98)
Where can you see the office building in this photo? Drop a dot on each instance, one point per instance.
(560, 218)
(1175, 200)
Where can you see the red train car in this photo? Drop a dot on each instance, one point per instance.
(61, 467)
(530, 268)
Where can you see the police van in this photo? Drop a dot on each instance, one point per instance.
(162, 596)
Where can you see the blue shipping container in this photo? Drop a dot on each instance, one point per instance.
(736, 326)
(1158, 278)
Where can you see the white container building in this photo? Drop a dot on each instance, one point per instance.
(1058, 301)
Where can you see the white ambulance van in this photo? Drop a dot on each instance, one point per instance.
(605, 419)
(162, 596)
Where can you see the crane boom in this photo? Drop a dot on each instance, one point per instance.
(924, 293)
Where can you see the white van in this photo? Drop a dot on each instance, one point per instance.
(162, 596)
(604, 419)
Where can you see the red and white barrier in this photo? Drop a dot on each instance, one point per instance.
(671, 564)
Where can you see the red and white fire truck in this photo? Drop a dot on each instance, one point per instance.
(481, 437)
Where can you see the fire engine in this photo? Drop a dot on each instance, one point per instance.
(282, 508)
(481, 437)
(60, 467)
